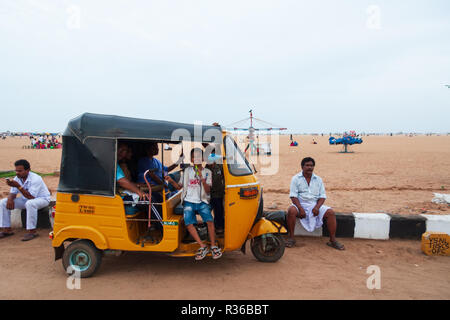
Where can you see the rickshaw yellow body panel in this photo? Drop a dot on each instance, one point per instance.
(239, 213)
(264, 226)
(103, 221)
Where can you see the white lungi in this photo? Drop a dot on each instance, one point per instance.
(31, 205)
(310, 222)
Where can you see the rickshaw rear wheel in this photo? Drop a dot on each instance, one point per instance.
(83, 257)
(268, 247)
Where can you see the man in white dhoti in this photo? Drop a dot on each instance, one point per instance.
(34, 196)
(308, 195)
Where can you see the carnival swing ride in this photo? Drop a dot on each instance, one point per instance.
(247, 125)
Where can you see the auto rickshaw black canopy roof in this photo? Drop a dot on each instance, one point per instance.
(110, 126)
(89, 155)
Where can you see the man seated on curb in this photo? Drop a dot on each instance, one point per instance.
(307, 196)
(35, 196)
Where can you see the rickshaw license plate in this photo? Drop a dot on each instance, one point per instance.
(170, 223)
(86, 209)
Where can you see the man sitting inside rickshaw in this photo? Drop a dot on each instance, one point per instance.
(126, 165)
(125, 186)
(156, 170)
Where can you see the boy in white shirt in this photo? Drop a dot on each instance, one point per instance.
(195, 197)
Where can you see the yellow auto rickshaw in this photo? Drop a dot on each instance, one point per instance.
(91, 218)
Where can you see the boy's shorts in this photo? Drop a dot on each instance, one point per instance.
(190, 209)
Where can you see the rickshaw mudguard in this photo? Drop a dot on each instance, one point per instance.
(80, 232)
(264, 226)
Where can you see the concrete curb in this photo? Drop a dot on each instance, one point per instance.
(381, 226)
(45, 218)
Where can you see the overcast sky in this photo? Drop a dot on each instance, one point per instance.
(310, 66)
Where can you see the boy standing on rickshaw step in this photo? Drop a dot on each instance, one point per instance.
(195, 197)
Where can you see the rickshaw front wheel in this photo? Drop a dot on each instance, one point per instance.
(81, 258)
(268, 247)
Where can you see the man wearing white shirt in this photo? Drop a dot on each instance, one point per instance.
(34, 196)
(308, 195)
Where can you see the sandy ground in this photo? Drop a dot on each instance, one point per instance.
(310, 271)
(385, 174)
(396, 174)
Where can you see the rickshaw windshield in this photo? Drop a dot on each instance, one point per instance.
(236, 161)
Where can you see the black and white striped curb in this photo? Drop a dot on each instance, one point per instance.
(381, 226)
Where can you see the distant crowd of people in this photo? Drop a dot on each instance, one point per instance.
(45, 142)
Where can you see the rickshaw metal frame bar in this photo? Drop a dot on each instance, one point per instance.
(140, 202)
(132, 219)
(156, 214)
(243, 185)
(178, 191)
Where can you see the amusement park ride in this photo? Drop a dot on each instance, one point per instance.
(254, 146)
(347, 139)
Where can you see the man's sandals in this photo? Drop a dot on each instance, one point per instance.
(5, 234)
(29, 236)
(289, 243)
(336, 244)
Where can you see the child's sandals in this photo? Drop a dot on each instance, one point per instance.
(201, 253)
(216, 252)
